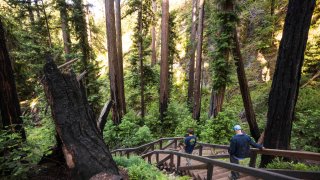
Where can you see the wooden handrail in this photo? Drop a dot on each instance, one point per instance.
(146, 145)
(274, 152)
(234, 167)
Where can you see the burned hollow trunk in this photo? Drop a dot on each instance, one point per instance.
(85, 152)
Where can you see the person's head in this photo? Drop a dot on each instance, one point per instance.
(237, 129)
(190, 131)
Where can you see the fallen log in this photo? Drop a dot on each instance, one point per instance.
(84, 150)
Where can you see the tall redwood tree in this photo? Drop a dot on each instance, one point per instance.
(286, 79)
(197, 82)
(113, 62)
(164, 69)
(9, 102)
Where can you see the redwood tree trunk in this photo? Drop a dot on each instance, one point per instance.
(83, 147)
(191, 52)
(153, 35)
(140, 44)
(9, 102)
(65, 28)
(197, 89)
(119, 54)
(113, 62)
(286, 79)
(245, 93)
(216, 101)
(164, 69)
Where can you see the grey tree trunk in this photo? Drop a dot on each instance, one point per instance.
(65, 28)
(153, 35)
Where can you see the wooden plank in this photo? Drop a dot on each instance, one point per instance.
(164, 159)
(291, 154)
(209, 172)
(194, 167)
(218, 156)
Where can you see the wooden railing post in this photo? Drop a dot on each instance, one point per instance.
(171, 161)
(128, 154)
(253, 159)
(200, 150)
(178, 161)
(157, 157)
(209, 171)
(149, 158)
(175, 143)
(160, 144)
(120, 152)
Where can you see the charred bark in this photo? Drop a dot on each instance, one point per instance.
(191, 53)
(197, 82)
(286, 79)
(9, 102)
(164, 69)
(84, 150)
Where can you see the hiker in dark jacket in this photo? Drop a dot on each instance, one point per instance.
(240, 148)
(190, 141)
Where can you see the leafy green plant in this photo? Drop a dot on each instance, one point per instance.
(15, 156)
(279, 164)
(139, 169)
(218, 130)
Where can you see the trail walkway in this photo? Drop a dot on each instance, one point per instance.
(210, 161)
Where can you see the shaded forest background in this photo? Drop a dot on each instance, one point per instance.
(34, 29)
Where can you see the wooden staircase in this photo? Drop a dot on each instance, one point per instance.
(205, 164)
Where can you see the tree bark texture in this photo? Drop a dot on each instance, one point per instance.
(140, 44)
(113, 62)
(191, 52)
(244, 89)
(65, 28)
(164, 69)
(286, 79)
(119, 54)
(197, 82)
(9, 102)
(216, 101)
(83, 147)
(153, 35)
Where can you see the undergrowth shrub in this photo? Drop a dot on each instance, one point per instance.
(278, 164)
(218, 130)
(15, 156)
(130, 132)
(139, 169)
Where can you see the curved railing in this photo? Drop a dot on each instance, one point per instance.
(210, 163)
(147, 150)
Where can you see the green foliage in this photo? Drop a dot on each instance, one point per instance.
(14, 161)
(131, 132)
(139, 169)
(219, 130)
(279, 164)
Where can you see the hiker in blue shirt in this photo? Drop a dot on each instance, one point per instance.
(240, 148)
(190, 142)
